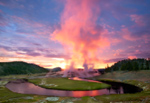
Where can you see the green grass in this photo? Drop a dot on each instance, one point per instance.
(20, 76)
(6, 96)
(135, 98)
(107, 80)
(142, 75)
(67, 84)
(140, 84)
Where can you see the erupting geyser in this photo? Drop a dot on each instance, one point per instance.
(79, 33)
(82, 73)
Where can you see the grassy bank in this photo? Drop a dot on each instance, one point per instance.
(20, 76)
(142, 75)
(67, 84)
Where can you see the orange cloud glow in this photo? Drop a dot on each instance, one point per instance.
(132, 57)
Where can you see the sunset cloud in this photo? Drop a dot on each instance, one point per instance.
(138, 19)
(132, 57)
(54, 33)
(127, 35)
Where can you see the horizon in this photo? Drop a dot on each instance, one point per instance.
(60, 33)
(76, 67)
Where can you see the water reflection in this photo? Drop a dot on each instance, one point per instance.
(29, 88)
(81, 79)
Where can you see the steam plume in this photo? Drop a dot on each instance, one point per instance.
(79, 32)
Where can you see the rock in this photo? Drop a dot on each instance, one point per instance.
(67, 101)
(52, 98)
(41, 101)
(28, 97)
(76, 99)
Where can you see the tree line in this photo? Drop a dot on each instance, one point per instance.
(130, 65)
(8, 68)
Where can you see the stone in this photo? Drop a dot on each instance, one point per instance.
(29, 97)
(52, 98)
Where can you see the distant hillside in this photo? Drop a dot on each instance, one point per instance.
(56, 69)
(9, 68)
(130, 65)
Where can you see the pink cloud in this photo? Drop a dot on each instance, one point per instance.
(127, 35)
(1, 3)
(146, 38)
(138, 19)
(27, 25)
(1, 11)
(115, 41)
(132, 57)
(117, 52)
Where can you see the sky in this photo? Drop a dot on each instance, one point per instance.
(59, 33)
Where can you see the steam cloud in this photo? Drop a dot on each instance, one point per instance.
(79, 32)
